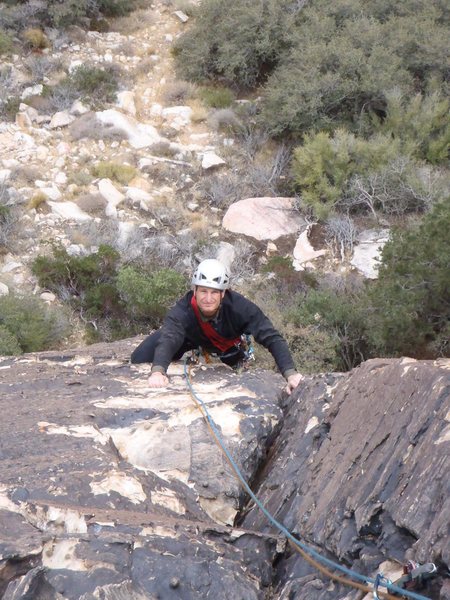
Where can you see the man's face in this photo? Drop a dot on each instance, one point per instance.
(208, 300)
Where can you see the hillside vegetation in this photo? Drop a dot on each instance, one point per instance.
(342, 105)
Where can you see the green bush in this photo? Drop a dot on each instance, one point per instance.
(118, 172)
(411, 299)
(7, 221)
(95, 85)
(238, 42)
(216, 97)
(113, 300)
(9, 345)
(379, 174)
(324, 165)
(344, 58)
(340, 317)
(31, 323)
(10, 107)
(80, 279)
(147, 296)
(420, 122)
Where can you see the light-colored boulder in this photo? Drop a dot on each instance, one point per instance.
(263, 218)
(138, 195)
(11, 264)
(139, 135)
(61, 119)
(52, 192)
(5, 174)
(177, 116)
(42, 152)
(367, 251)
(34, 90)
(61, 178)
(48, 297)
(78, 108)
(23, 120)
(4, 289)
(304, 253)
(210, 160)
(226, 254)
(110, 193)
(181, 16)
(125, 101)
(68, 211)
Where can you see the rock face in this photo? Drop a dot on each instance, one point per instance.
(109, 489)
(361, 469)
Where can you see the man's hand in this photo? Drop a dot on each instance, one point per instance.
(158, 380)
(293, 381)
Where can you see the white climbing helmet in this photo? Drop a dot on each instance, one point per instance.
(212, 274)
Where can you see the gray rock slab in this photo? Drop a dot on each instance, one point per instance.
(109, 489)
(361, 470)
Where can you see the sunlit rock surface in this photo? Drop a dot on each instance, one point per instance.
(110, 490)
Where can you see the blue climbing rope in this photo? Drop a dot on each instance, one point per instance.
(296, 542)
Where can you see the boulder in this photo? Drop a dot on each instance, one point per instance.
(68, 211)
(367, 251)
(304, 253)
(211, 159)
(263, 218)
(61, 119)
(139, 135)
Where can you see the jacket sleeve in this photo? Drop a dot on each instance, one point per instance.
(171, 339)
(262, 329)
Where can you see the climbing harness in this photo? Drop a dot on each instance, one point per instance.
(242, 346)
(414, 575)
(309, 554)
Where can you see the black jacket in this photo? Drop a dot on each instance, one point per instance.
(236, 316)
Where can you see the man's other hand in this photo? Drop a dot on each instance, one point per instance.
(158, 380)
(293, 381)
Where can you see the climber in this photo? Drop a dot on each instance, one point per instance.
(214, 318)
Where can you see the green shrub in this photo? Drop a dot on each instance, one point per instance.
(239, 42)
(341, 317)
(7, 221)
(216, 97)
(35, 38)
(147, 296)
(9, 345)
(95, 85)
(313, 350)
(323, 166)
(118, 172)
(411, 298)
(10, 107)
(420, 122)
(31, 323)
(64, 13)
(78, 279)
(346, 55)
